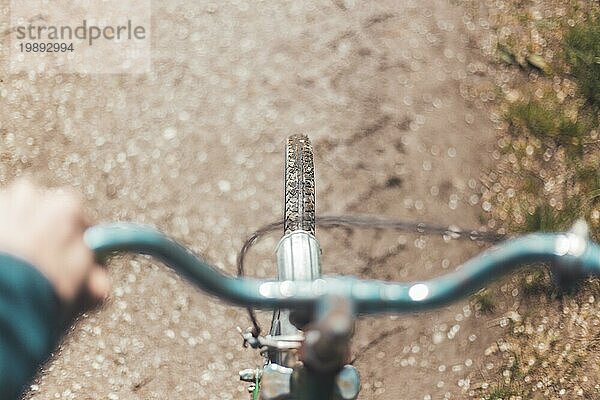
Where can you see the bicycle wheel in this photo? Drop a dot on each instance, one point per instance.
(302, 262)
(299, 183)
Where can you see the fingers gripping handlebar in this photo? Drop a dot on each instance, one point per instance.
(573, 257)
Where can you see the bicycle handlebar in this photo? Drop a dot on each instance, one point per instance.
(573, 256)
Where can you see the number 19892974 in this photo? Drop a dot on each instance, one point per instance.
(35, 47)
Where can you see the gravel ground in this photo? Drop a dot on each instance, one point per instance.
(386, 92)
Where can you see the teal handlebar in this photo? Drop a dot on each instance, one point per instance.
(572, 256)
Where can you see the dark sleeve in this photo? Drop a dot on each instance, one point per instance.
(29, 323)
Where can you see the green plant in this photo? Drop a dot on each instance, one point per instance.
(535, 282)
(531, 116)
(515, 368)
(548, 219)
(502, 392)
(589, 176)
(484, 301)
(582, 51)
(547, 122)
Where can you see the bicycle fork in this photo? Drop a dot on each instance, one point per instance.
(309, 363)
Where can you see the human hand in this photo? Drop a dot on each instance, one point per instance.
(45, 227)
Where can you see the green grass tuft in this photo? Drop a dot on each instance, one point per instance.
(582, 51)
(548, 123)
(548, 219)
(484, 300)
(532, 116)
(502, 392)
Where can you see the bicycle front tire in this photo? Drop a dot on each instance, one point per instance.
(299, 183)
(299, 216)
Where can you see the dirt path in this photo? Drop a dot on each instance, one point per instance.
(195, 148)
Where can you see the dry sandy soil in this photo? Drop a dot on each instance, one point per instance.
(195, 148)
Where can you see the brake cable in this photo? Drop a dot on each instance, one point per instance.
(372, 222)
